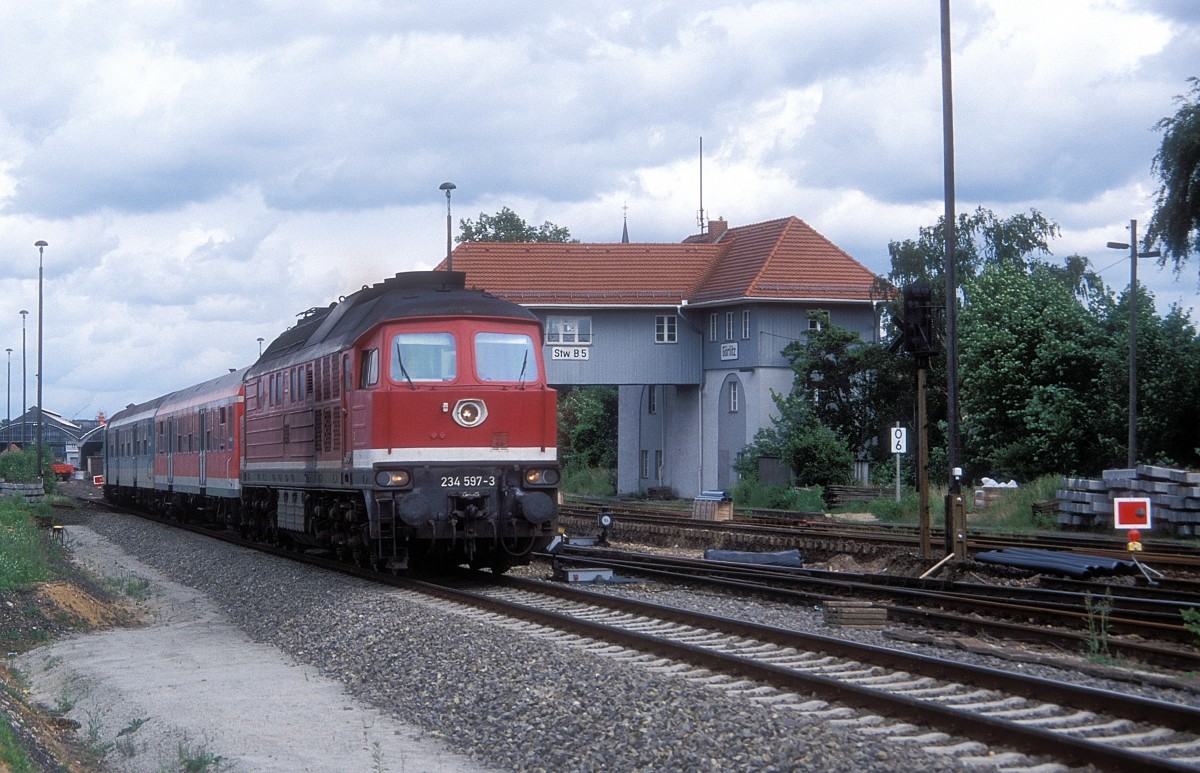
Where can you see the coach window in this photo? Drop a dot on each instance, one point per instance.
(370, 369)
(505, 357)
(423, 357)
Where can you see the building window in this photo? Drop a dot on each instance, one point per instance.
(568, 330)
(746, 324)
(664, 329)
(818, 320)
(652, 400)
(712, 326)
(729, 326)
(645, 464)
(733, 397)
(658, 465)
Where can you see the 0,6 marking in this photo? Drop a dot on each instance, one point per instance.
(468, 481)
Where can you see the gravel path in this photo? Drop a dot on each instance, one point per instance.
(425, 689)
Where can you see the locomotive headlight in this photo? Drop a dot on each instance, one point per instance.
(540, 476)
(393, 478)
(470, 413)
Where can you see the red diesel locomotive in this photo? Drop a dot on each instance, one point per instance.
(410, 423)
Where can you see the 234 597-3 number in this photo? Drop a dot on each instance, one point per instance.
(468, 481)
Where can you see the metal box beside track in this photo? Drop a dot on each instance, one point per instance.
(712, 506)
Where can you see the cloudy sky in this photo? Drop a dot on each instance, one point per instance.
(204, 170)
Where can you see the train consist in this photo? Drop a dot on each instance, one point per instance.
(409, 424)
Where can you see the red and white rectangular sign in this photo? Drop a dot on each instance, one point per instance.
(1131, 513)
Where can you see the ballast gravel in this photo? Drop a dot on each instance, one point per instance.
(427, 687)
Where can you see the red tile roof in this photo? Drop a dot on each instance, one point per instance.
(780, 259)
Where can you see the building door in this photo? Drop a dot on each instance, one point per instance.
(731, 429)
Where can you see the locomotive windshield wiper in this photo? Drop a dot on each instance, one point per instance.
(404, 370)
(524, 362)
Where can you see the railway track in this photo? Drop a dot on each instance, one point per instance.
(1138, 628)
(909, 698)
(812, 531)
(947, 707)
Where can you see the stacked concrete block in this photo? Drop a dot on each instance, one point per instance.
(1174, 497)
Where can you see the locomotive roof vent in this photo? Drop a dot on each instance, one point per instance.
(438, 280)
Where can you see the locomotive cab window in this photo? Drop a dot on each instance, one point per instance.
(505, 357)
(370, 369)
(423, 357)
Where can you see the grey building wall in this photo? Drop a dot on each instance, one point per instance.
(672, 432)
(692, 429)
(623, 349)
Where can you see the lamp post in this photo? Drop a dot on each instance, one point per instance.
(447, 187)
(260, 340)
(41, 245)
(24, 314)
(1133, 303)
(8, 426)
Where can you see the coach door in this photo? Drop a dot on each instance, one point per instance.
(203, 482)
(172, 442)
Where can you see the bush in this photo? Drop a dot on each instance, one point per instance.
(751, 493)
(21, 466)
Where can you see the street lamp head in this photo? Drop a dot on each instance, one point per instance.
(23, 313)
(41, 243)
(1117, 246)
(447, 187)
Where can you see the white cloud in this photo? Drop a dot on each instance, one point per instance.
(203, 172)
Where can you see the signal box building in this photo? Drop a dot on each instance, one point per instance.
(691, 333)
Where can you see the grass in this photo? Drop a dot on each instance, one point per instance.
(137, 588)
(1013, 511)
(199, 759)
(589, 481)
(12, 756)
(23, 556)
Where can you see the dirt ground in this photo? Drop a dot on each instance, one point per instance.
(94, 680)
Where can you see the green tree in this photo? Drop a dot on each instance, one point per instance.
(1175, 223)
(1031, 362)
(855, 388)
(814, 453)
(587, 426)
(508, 226)
(1169, 391)
(1168, 382)
(981, 238)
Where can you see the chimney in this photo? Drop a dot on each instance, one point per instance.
(716, 229)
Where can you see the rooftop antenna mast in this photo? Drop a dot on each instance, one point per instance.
(700, 219)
